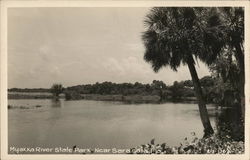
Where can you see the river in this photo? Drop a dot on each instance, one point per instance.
(103, 124)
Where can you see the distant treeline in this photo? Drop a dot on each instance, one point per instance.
(29, 90)
(182, 90)
(177, 91)
(155, 88)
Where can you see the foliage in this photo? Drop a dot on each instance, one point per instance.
(72, 95)
(232, 21)
(229, 67)
(56, 89)
(227, 75)
(211, 145)
(158, 85)
(230, 123)
(29, 90)
(173, 34)
(177, 90)
(120, 88)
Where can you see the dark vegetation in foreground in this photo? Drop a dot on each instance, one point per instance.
(214, 144)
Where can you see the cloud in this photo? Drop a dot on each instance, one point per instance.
(113, 66)
(126, 69)
(85, 45)
(45, 51)
(55, 71)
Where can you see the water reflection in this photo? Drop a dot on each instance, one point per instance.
(57, 102)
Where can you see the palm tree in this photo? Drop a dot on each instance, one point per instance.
(176, 36)
(231, 20)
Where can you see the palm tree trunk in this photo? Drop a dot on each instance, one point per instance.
(208, 130)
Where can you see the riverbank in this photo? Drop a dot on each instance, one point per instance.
(137, 98)
(29, 95)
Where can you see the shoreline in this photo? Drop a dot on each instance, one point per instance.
(136, 98)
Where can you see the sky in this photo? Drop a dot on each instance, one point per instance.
(75, 46)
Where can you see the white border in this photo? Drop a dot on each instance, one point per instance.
(3, 72)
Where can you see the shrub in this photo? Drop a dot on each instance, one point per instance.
(72, 95)
(210, 145)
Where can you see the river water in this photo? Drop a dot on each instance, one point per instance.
(103, 124)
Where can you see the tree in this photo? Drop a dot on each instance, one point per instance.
(231, 21)
(227, 77)
(174, 36)
(56, 89)
(177, 90)
(156, 84)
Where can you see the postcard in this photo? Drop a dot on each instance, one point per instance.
(125, 80)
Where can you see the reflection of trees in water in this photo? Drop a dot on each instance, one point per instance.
(54, 115)
(229, 122)
(57, 102)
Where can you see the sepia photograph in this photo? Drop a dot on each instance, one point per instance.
(122, 80)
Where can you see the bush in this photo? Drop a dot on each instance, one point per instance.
(72, 95)
(211, 145)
